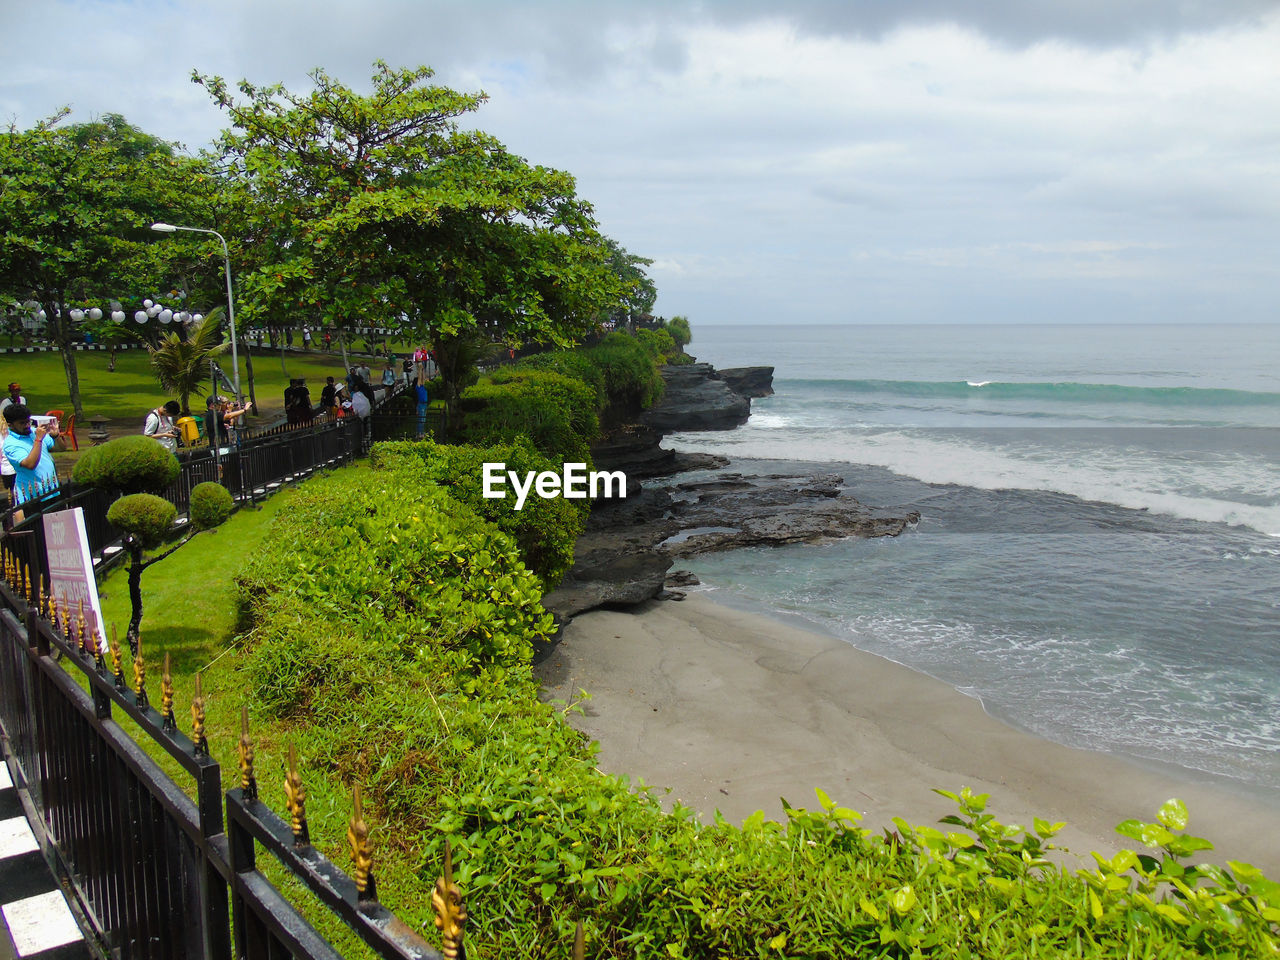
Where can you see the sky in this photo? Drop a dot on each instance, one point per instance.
(865, 161)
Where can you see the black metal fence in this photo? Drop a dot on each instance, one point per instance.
(155, 871)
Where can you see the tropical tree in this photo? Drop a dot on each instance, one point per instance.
(181, 362)
(379, 208)
(76, 204)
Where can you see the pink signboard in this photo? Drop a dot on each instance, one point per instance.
(71, 579)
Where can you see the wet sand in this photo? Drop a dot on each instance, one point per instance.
(732, 711)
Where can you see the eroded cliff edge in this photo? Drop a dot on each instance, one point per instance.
(624, 556)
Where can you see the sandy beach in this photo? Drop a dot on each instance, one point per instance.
(732, 710)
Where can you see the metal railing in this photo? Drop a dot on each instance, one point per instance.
(158, 872)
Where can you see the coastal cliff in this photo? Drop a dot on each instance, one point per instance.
(624, 555)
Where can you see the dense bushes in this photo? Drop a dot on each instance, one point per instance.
(134, 464)
(557, 414)
(544, 530)
(620, 369)
(406, 569)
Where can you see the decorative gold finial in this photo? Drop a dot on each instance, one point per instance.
(248, 782)
(140, 677)
(168, 724)
(201, 747)
(26, 582)
(96, 639)
(451, 912)
(65, 620)
(116, 666)
(82, 630)
(296, 801)
(361, 853)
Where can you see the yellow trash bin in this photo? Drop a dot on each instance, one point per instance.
(190, 428)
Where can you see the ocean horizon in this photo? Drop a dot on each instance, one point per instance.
(1097, 558)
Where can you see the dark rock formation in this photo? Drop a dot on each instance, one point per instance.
(623, 556)
(625, 552)
(696, 399)
(749, 381)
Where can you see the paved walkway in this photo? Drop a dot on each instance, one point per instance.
(35, 921)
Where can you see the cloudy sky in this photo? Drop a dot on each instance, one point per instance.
(865, 161)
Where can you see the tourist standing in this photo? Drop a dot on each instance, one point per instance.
(329, 397)
(14, 396)
(407, 368)
(160, 425)
(215, 430)
(29, 449)
(6, 468)
(424, 401)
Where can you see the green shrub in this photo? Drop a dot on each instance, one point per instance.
(211, 505)
(657, 343)
(576, 364)
(146, 516)
(134, 464)
(544, 530)
(630, 374)
(409, 570)
(678, 327)
(556, 413)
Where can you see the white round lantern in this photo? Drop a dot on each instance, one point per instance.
(117, 316)
(141, 316)
(148, 304)
(77, 315)
(166, 316)
(95, 313)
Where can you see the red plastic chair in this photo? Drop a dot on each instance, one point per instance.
(69, 430)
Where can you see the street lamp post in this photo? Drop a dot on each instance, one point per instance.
(231, 311)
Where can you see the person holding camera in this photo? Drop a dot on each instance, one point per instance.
(161, 425)
(29, 449)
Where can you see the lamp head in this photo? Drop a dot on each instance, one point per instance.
(163, 227)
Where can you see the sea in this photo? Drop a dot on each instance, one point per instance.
(1098, 553)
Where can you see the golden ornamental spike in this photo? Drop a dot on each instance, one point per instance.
(97, 649)
(361, 852)
(82, 630)
(117, 667)
(50, 606)
(24, 581)
(66, 625)
(168, 724)
(201, 747)
(451, 911)
(30, 593)
(140, 677)
(248, 781)
(296, 801)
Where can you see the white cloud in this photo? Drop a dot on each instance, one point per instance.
(944, 161)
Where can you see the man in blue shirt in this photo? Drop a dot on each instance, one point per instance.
(30, 450)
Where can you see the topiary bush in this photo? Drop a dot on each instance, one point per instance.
(630, 375)
(135, 464)
(658, 344)
(211, 505)
(678, 327)
(144, 515)
(544, 531)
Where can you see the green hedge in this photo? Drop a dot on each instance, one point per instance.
(544, 531)
(146, 516)
(621, 370)
(557, 414)
(404, 568)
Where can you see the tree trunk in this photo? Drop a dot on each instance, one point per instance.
(135, 593)
(60, 324)
(248, 368)
(111, 359)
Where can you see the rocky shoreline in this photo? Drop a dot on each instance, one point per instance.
(625, 555)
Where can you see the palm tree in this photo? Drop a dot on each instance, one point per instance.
(182, 364)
